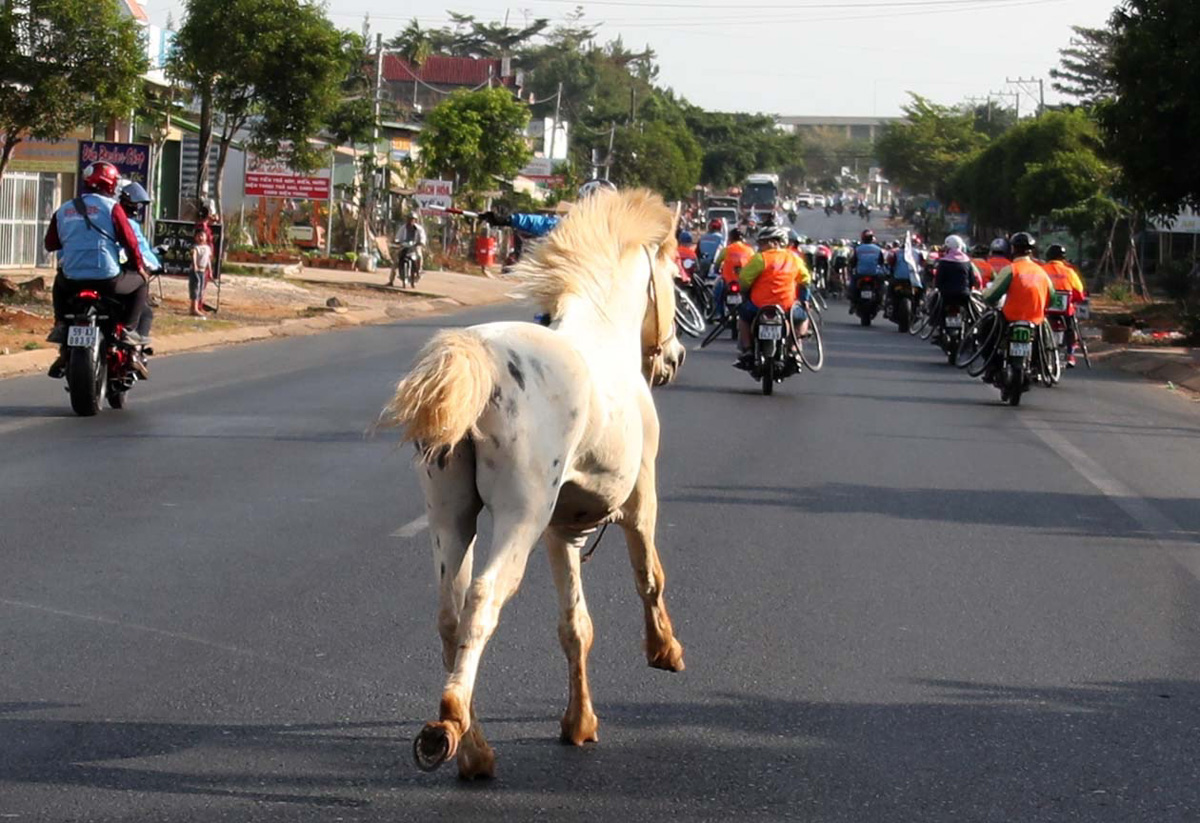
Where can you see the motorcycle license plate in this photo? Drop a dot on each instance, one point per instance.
(82, 336)
(1020, 349)
(770, 332)
(1058, 338)
(733, 300)
(953, 321)
(867, 294)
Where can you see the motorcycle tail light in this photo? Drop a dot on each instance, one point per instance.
(734, 287)
(88, 294)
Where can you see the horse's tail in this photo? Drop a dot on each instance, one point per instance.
(439, 402)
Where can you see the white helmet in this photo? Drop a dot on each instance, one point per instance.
(954, 243)
(592, 186)
(777, 234)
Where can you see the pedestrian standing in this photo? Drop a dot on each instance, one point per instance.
(200, 273)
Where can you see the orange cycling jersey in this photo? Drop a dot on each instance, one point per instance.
(1065, 277)
(736, 255)
(996, 265)
(984, 268)
(776, 285)
(1028, 292)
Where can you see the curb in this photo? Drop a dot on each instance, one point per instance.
(20, 363)
(1178, 366)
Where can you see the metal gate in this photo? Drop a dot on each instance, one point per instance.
(19, 239)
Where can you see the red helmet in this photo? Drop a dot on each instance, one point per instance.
(714, 224)
(102, 178)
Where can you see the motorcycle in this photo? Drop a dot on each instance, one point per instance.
(774, 342)
(733, 302)
(1061, 321)
(99, 366)
(406, 268)
(1028, 358)
(899, 304)
(954, 317)
(869, 299)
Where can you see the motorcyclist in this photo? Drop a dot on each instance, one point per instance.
(999, 258)
(90, 232)
(1025, 285)
(771, 277)
(865, 261)
(729, 263)
(411, 240)
(1067, 279)
(954, 276)
(709, 246)
(979, 254)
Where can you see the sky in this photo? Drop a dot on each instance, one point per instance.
(806, 57)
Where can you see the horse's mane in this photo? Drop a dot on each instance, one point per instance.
(581, 257)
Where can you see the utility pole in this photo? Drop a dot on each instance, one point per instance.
(1041, 95)
(612, 134)
(1016, 97)
(554, 126)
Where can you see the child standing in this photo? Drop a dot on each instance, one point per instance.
(201, 271)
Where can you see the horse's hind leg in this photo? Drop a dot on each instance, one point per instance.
(639, 518)
(516, 531)
(575, 633)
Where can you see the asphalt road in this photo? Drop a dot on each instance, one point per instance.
(901, 601)
(814, 223)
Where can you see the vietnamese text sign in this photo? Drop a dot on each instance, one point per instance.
(131, 159)
(438, 194)
(1186, 222)
(273, 178)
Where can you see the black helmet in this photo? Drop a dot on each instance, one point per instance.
(868, 236)
(1001, 247)
(1056, 252)
(1022, 243)
(735, 235)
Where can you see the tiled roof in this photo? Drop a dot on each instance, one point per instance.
(136, 11)
(443, 71)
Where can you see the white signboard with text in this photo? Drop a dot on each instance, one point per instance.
(435, 194)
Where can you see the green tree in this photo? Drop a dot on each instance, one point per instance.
(1085, 66)
(415, 44)
(271, 67)
(1049, 166)
(476, 135)
(64, 64)
(658, 155)
(1152, 122)
(922, 152)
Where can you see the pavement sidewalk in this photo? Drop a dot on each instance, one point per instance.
(439, 292)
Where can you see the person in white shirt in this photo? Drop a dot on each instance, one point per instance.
(411, 239)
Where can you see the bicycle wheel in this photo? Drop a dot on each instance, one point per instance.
(923, 320)
(814, 311)
(812, 351)
(687, 315)
(976, 338)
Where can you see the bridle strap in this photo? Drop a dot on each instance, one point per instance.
(652, 295)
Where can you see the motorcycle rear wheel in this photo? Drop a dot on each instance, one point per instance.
(768, 377)
(85, 381)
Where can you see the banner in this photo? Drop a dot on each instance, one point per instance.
(38, 155)
(131, 159)
(273, 178)
(179, 236)
(438, 194)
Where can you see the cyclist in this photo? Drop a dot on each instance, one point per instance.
(1067, 279)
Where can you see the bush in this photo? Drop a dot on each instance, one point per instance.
(1119, 292)
(1176, 279)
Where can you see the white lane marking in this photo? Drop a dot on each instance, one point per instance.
(187, 638)
(1157, 525)
(413, 528)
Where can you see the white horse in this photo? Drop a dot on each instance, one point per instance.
(553, 429)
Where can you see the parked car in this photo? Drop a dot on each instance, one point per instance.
(805, 200)
(819, 201)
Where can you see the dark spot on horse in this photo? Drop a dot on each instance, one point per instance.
(556, 462)
(437, 542)
(443, 574)
(429, 472)
(489, 462)
(537, 368)
(495, 441)
(510, 409)
(574, 415)
(443, 455)
(517, 374)
(496, 397)
(514, 357)
(554, 482)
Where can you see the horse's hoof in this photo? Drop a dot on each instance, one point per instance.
(478, 765)
(433, 746)
(583, 730)
(669, 658)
